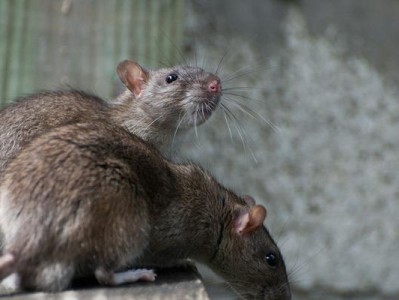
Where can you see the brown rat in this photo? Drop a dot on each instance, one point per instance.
(93, 198)
(159, 106)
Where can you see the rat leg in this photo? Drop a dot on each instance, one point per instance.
(10, 284)
(7, 265)
(111, 278)
(52, 277)
(10, 279)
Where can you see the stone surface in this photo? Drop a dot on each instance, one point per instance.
(324, 74)
(171, 284)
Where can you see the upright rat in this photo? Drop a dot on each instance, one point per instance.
(158, 106)
(92, 198)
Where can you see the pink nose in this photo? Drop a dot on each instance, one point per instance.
(214, 86)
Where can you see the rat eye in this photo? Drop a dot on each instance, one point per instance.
(271, 259)
(171, 77)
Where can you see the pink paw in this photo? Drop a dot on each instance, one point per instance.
(111, 278)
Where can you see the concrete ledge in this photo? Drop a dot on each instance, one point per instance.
(183, 282)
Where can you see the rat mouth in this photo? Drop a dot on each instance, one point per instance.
(206, 108)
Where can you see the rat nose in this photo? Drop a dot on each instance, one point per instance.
(214, 86)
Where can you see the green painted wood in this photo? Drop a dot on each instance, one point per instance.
(5, 25)
(51, 44)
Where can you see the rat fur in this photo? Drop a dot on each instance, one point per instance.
(92, 198)
(158, 105)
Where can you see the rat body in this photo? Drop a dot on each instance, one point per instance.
(92, 198)
(159, 106)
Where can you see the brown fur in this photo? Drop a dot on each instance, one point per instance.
(153, 113)
(92, 195)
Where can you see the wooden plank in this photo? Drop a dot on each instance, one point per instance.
(140, 47)
(49, 44)
(5, 27)
(15, 55)
(29, 51)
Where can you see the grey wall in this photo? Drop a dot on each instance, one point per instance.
(326, 74)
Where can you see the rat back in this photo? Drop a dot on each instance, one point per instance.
(34, 115)
(69, 204)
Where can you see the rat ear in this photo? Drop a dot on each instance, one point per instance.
(249, 200)
(250, 220)
(133, 76)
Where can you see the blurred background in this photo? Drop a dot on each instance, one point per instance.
(314, 88)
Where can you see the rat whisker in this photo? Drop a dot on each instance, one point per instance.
(241, 295)
(293, 268)
(232, 88)
(254, 114)
(161, 93)
(210, 106)
(177, 127)
(293, 280)
(227, 121)
(260, 65)
(204, 63)
(149, 125)
(221, 60)
(240, 73)
(298, 267)
(238, 99)
(242, 109)
(202, 110)
(236, 124)
(236, 293)
(243, 96)
(276, 290)
(280, 232)
(195, 57)
(195, 127)
(241, 131)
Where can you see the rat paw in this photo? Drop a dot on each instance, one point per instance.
(110, 278)
(142, 275)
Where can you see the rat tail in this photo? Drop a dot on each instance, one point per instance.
(8, 263)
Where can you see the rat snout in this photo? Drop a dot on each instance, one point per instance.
(214, 86)
(279, 292)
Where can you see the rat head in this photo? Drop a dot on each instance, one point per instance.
(179, 97)
(247, 257)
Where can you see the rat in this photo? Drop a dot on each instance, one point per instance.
(160, 106)
(92, 198)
